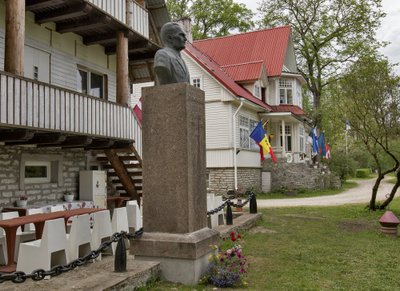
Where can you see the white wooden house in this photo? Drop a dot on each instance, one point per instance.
(65, 73)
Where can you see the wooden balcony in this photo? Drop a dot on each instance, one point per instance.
(38, 113)
(98, 21)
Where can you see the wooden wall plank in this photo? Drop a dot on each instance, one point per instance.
(23, 105)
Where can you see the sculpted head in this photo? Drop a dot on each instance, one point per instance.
(173, 36)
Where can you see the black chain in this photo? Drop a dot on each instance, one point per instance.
(40, 274)
(228, 201)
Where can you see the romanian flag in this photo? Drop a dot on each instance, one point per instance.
(260, 137)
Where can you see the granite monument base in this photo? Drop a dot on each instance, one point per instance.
(183, 257)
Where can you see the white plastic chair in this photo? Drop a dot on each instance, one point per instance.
(56, 208)
(46, 252)
(134, 215)
(120, 223)
(220, 214)
(102, 229)
(3, 241)
(29, 232)
(80, 237)
(212, 218)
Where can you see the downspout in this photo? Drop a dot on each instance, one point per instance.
(234, 142)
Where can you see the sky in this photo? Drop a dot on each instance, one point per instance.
(389, 30)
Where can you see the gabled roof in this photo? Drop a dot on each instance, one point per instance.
(268, 45)
(222, 76)
(246, 71)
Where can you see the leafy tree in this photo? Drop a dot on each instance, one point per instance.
(212, 17)
(327, 35)
(368, 95)
(178, 8)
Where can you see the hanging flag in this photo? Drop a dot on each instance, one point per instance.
(321, 144)
(260, 137)
(314, 141)
(137, 109)
(328, 152)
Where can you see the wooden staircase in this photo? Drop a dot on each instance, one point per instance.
(124, 170)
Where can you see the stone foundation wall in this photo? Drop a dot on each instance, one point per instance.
(222, 179)
(300, 176)
(39, 193)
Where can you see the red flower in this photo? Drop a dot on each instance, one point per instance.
(239, 236)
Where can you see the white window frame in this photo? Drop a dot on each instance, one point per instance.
(285, 86)
(288, 135)
(301, 139)
(246, 126)
(54, 164)
(88, 82)
(44, 179)
(257, 91)
(197, 81)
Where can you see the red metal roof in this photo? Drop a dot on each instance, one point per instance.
(268, 45)
(221, 75)
(296, 110)
(245, 72)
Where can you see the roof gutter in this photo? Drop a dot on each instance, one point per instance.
(234, 140)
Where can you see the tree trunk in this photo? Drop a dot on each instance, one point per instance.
(393, 192)
(372, 203)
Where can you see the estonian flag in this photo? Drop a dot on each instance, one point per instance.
(260, 137)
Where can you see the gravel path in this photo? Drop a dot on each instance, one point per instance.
(359, 194)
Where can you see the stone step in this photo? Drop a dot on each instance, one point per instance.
(99, 275)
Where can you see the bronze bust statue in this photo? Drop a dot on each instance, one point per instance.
(168, 63)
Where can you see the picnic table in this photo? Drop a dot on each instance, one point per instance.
(10, 227)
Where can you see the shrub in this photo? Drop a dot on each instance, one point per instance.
(342, 165)
(363, 173)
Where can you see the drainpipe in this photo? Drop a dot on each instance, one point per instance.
(234, 141)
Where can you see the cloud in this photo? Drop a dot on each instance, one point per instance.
(390, 31)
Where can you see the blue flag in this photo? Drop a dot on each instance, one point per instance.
(321, 144)
(314, 141)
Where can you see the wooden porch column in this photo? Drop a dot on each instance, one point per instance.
(122, 69)
(283, 139)
(15, 37)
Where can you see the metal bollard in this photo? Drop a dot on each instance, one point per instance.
(120, 256)
(229, 216)
(253, 204)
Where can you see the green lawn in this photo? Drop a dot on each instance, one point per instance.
(317, 248)
(307, 193)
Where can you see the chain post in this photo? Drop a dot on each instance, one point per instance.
(253, 204)
(120, 256)
(229, 215)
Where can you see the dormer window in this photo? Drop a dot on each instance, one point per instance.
(285, 91)
(257, 91)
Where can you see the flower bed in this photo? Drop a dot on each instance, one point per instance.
(227, 267)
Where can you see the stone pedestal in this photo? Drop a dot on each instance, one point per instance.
(174, 183)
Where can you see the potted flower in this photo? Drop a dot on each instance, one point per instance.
(22, 201)
(68, 196)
